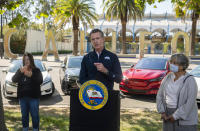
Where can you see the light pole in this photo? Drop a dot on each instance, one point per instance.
(3, 2)
(2, 119)
(1, 39)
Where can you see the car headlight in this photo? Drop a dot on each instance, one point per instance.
(156, 79)
(11, 83)
(70, 77)
(66, 77)
(125, 78)
(46, 80)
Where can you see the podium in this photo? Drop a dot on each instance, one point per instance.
(104, 119)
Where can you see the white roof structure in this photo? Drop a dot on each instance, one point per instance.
(159, 24)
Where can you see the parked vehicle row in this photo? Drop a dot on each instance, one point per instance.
(142, 78)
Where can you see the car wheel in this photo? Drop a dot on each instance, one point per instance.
(65, 88)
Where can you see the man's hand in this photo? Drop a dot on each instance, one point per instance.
(100, 67)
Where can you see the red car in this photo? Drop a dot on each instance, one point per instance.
(145, 77)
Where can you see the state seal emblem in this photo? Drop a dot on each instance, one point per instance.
(93, 95)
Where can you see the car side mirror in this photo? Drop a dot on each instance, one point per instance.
(5, 70)
(49, 69)
(62, 65)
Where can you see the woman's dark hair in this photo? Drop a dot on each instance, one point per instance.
(181, 60)
(32, 64)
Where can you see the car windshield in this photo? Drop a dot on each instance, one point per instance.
(74, 62)
(152, 63)
(196, 71)
(16, 64)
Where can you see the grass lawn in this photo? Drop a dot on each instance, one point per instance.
(57, 119)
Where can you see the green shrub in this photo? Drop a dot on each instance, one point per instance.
(17, 47)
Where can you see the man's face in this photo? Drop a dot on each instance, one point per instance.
(97, 41)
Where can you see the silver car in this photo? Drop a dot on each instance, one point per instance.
(10, 88)
(196, 73)
(69, 73)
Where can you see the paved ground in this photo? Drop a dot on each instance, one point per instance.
(59, 99)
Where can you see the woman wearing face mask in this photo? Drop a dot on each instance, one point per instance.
(176, 98)
(29, 78)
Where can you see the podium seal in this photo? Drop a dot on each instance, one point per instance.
(93, 95)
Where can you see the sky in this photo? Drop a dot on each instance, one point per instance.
(161, 7)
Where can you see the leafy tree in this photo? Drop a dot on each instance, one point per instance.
(124, 10)
(75, 11)
(6, 5)
(192, 7)
(44, 9)
(15, 18)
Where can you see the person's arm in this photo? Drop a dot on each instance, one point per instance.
(116, 73)
(37, 76)
(17, 76)
(83, 76)
(160, 97)
(183, 111)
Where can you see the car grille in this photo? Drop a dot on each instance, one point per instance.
(73, 77)
(12, 84)
(138, 82)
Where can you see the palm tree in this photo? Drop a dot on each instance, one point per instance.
(182, 8)
(76, 11)
(123, 10)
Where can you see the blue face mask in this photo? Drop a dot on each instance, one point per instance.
(173, 68)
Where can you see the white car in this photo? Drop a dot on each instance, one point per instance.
(196, 73)
(10, 88)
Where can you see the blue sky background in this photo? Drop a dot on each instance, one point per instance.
(161, 7)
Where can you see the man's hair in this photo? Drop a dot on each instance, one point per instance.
(32, 64)
(95, 31)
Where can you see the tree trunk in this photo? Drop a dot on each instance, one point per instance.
(193, 32)
(75, 43)
(123, 37)
(75, 23)
(6, 19)
(44, 24)
(2, 120)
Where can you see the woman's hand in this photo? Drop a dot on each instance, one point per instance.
(23, 69)
(28, 73)
(171, 118)
(164, 116)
